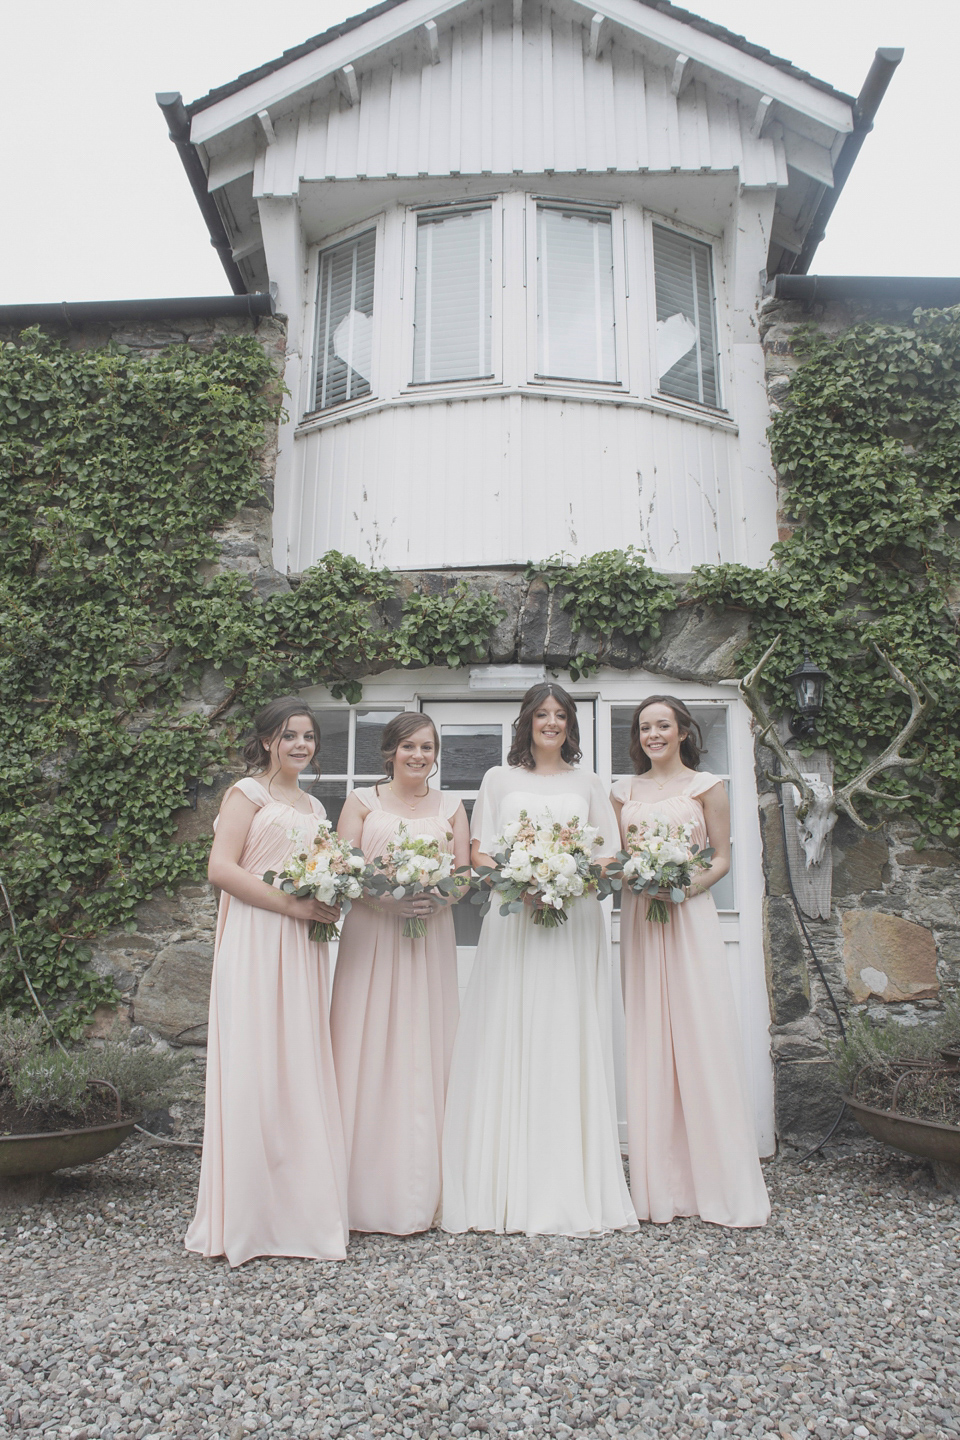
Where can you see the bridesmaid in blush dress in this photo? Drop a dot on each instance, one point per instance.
(691, 1135)
(273, 1174)
(395, 1000)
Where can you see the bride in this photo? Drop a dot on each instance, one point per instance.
(530, 1135)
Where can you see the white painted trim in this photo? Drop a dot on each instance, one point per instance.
(472, 390)
(384, 30)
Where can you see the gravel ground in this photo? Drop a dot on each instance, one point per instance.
(840, 1318)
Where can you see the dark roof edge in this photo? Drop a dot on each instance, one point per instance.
(935, 291)
(686, 17)
(87, 312)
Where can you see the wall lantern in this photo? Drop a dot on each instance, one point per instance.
(808, 681)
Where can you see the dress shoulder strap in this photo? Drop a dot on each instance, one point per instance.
(448, 804)
(701, 783)
(253, 790)
(368, 797)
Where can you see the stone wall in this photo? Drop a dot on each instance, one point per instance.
(892, 942)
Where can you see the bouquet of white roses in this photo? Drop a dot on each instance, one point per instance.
(414, 865)
(659, 856)
(545, 859)
(329, 870)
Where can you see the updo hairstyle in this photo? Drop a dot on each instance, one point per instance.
(269, 723)
(407, 723)
(691, 740)
(521, 750)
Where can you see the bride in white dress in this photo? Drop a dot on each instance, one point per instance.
(530, 1137)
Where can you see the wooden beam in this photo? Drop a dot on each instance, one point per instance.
(681, 74)
(596, 36)
(430, 41)
(266, 125)
(348, 85)
(759, 119)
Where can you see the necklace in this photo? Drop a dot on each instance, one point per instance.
(410, 804)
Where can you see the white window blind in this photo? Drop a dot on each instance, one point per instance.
(576, 328)
(686, 326)
(454, 296)
(345, 321)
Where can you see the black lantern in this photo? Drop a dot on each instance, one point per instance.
(808, 681)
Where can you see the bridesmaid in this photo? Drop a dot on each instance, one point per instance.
(691, 1136)
(395, 1000)
(273, 1174)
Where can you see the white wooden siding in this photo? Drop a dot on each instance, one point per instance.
(487, 481)
(506, 99)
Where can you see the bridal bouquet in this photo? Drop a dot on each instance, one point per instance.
(329, 870)
(544, 859)
(412, 865)
(660, 856)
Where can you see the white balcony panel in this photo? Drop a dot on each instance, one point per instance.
(508, 100)
(499, 480)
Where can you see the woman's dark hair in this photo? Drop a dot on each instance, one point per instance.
(269, 723)
(691, 742)
(407, 723)
(521, 751)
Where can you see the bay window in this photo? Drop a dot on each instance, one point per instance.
(576, 318)
(344, 351)
(686, 326)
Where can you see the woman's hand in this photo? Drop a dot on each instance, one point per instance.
(312, 910)
(419, 908)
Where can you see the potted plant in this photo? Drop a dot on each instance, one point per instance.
(66, 1107)
(902, 1083)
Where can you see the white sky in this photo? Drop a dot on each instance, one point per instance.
(96, 205)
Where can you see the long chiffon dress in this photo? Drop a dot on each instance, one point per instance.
(273, 1174)
(691, 1135)
(392, 1021)
(530, 1138)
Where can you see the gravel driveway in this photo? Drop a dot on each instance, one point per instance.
(840, 1318)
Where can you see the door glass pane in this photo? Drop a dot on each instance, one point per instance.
(454, 296)
(367, 757)
(466, 754)
(712, 720)
(620, 720)
(575, 311)
(334, 734)
(331, 794)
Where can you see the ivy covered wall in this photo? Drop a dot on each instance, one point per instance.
(141, 621)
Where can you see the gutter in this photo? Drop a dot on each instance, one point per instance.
(867, 104)
(86, 312)
(925, 291)
(178, 125)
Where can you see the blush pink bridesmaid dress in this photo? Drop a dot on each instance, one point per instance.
(273, 1174)
(393, 1018)
(690, 1130)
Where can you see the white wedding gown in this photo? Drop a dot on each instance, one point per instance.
(530, 1137)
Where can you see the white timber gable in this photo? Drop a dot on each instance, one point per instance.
(521, 248)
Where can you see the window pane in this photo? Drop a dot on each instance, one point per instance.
(334, 731)
(345, 321)
(686, 333)
(331, 794)
(575, 319)
(620, 720)
(367, 758)
(712, 720)
(467, 752)
(454, 296)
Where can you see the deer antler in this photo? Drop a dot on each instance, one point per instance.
(891, 758)
(750, 690)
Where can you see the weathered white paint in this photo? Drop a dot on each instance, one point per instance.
(502, 479)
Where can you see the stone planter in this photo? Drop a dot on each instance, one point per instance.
(58, 1149)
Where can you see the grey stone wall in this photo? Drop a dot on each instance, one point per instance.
(892, 942)
(891, 903)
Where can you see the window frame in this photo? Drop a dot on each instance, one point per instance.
(721, 329)
(312, 371)
(408, 270)
(572, 384)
